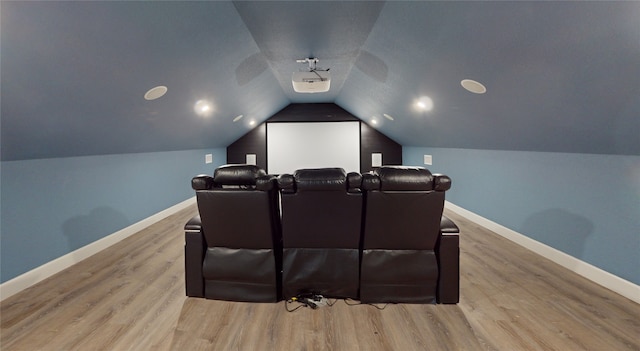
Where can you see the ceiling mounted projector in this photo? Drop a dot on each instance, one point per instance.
(313, 80)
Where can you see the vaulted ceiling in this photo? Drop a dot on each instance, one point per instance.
(560, 76)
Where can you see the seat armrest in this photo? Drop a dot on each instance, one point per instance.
(267, 182)
(354, 182)
(441, 182)
(286, 184)
(370, 182)
(193, 225)
(194, 246)
(202, 182)
(447, 226)
(448, 254)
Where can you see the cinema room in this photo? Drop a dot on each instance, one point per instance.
(319, 175)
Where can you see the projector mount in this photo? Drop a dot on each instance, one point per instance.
(312, 67)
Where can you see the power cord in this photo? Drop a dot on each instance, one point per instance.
(358, 303)
(315, 301)
(291, 300)
(307, 300)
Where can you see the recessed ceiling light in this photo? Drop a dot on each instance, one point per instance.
(388, 117)
(473, 86)
(374, 121)
(252, 122)
(424, 103)
(155, 93)
(203, 108)
(237, 118)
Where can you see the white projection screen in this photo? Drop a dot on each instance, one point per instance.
(292, 146)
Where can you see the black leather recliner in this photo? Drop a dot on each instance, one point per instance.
(233, 248)
(321, 222)
(403, 257)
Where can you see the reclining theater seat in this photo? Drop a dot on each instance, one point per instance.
(321, 221)
(232, 249)
(403, 212)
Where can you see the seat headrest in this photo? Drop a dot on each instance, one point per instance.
(403, 178)
(320, 179)
(237, 174)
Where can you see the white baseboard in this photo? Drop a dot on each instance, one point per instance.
(36, 275)
(593, 273)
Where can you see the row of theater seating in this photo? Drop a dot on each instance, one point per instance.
(376, 237)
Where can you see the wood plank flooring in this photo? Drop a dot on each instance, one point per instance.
(131, 297)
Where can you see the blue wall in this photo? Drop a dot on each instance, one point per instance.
(51, 207)
(585, 205)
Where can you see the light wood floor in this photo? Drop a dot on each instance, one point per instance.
(131, 297)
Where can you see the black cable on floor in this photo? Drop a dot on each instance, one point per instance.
(365, 304)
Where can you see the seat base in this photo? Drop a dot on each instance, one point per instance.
(239, 291)
(327, 272)
(240, 274)
(398, 276)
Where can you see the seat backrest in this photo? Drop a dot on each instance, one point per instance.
(321, 208)
(238, 207)
(403, 207)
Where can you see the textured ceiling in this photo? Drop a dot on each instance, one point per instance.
(560, 76)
